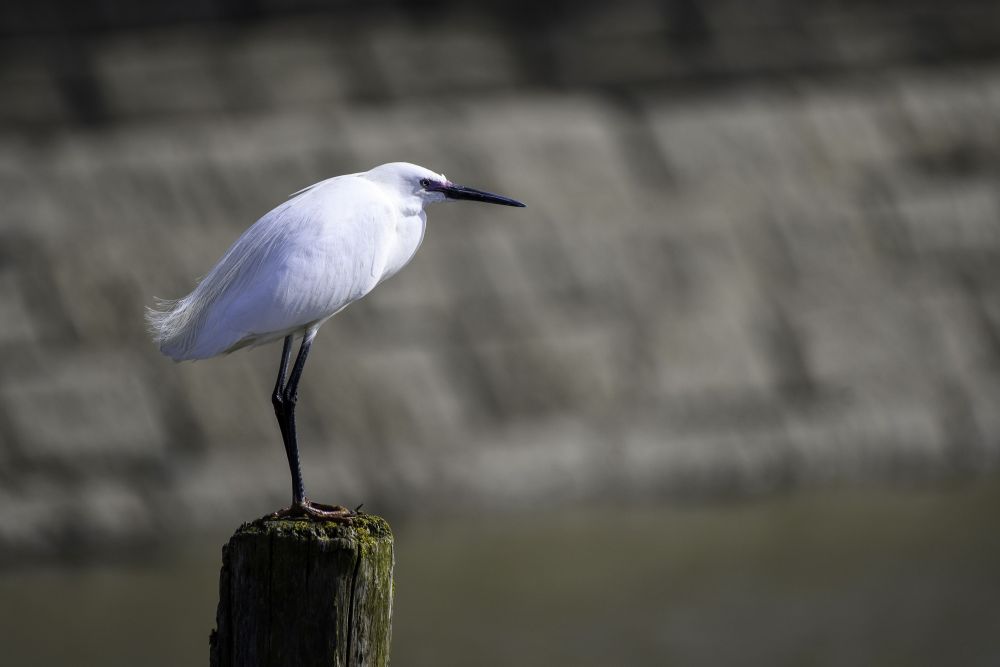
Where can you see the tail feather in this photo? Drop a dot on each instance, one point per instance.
(170, 324)
(192, 327)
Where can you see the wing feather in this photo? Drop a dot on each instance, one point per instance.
(288, 266)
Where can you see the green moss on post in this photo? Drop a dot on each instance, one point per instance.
(295, 592)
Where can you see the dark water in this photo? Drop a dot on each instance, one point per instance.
(833, 578)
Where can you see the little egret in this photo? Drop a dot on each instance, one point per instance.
(302, 263)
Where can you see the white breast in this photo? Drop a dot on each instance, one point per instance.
(407, 234)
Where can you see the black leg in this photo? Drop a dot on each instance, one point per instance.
(277, 397)
(283, 399)
(289, 397)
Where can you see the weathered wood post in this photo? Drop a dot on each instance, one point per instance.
(299, 593)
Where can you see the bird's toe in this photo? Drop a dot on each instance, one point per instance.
(316, 512)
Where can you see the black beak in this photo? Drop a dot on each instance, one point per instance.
(452, 191)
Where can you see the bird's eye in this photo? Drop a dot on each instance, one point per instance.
(424, 182)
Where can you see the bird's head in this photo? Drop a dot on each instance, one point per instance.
(410, 180)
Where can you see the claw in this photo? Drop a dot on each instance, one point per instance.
(316, 512)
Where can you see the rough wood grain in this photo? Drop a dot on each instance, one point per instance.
(303, 593)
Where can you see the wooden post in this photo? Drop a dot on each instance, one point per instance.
(300, 593)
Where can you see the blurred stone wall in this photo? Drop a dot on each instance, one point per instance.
(761, 250)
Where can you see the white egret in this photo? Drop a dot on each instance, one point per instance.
(303, 262)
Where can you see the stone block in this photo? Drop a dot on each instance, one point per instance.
(30, 91)
(950, 217)
(873, 336)
(393, 396)
(448, 55)
(230, 397)
(577, 368)
(17, 326)
(161, 72)
(714, 144)
(74, 407)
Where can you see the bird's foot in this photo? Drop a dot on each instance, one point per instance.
(307, 509)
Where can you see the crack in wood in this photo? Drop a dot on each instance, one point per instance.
(351, 611)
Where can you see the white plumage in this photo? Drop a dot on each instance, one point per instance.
(301, 263)
(329, 245)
